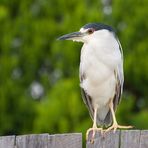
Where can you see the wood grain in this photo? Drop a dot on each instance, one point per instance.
(120, 139)
(7, 142)
(73, 140)
(108, 140)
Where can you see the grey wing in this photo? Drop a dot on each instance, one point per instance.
(119, 80)
(117, 96)
(119, 88)
(86, 98)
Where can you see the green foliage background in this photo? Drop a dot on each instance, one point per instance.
(39, 85)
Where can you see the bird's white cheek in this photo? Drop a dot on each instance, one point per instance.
(86, 39)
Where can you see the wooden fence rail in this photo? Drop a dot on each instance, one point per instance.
(119, 139)
(42, 141)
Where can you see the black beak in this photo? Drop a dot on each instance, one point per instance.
(71, 36)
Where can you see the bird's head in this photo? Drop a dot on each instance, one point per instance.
(88, 32)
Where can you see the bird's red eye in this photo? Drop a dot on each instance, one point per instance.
(91, 30)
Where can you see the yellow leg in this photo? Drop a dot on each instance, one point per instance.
(94, 128)
(115, 124)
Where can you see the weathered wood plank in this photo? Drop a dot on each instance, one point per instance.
(122, 139)
(108, 140)
(144, 139)
(7, 142)
(68, 141)
(32, 141)
(130, 139)
(49, 141)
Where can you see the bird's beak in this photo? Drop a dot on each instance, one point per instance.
(75, 36)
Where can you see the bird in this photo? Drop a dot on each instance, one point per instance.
(101, 74)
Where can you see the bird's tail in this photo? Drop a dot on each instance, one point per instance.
(104, 117)
(108, 119)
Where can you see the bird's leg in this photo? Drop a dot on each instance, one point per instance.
(115, 125)
(94, 128)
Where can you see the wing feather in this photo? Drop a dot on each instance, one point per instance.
(86, 98)
(119, 80)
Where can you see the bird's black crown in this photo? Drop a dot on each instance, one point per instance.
(98, 26)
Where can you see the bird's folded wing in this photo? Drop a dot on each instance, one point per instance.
(119, 81)
(86, 98)
(118, 90)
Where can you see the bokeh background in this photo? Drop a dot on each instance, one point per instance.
(39, 83)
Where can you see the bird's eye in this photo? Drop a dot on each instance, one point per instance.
(90, 31)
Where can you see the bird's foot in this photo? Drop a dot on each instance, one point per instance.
(94, 130)
(115, 126)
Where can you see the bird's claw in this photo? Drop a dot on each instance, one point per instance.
(94, 130)
(115, 126)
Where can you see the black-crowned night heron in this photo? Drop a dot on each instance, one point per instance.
(101, 73)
